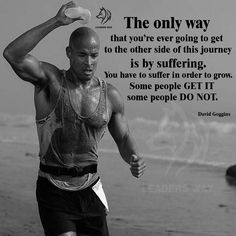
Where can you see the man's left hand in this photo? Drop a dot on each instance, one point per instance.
(137, 166)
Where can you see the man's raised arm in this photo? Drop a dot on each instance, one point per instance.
(17, 54)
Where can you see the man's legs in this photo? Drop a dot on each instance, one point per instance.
(92, 226)
(70, 213)
(55, 224)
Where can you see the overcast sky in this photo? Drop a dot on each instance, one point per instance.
(16, 96)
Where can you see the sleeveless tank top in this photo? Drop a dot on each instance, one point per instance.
(67, 139)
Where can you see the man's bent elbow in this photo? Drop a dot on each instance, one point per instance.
(7, 55)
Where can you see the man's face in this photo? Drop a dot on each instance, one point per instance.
(83, 55)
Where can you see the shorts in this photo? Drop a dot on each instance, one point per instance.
(62, 211)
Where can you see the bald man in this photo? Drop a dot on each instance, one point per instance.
(73, 110)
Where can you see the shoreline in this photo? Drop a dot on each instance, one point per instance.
(164, 159)
(173, 200)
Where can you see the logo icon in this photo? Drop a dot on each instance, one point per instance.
(104, 15)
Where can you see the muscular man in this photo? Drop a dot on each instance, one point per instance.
(73, 109)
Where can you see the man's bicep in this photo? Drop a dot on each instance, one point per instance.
(31, 69)
(118, 127)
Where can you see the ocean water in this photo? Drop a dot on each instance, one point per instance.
(187, 140)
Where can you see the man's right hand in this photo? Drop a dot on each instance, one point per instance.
(62, 18)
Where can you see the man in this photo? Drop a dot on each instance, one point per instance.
(73, 109)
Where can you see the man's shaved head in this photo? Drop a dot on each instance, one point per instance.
(83, 51)
(83, 34)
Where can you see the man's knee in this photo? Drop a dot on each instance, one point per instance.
(68, 234)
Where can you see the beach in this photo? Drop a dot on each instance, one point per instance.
(173, 64)
(170, 199)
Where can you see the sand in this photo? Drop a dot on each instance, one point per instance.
(168, 200)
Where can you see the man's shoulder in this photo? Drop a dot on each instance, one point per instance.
(113, 92)
(51, 70)
(114, 97)
(54, 77)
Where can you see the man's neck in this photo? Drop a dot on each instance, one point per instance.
(77, 82)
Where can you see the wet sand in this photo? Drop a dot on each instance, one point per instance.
(168, 200)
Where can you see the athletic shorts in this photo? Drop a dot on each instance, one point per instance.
(62, 211)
